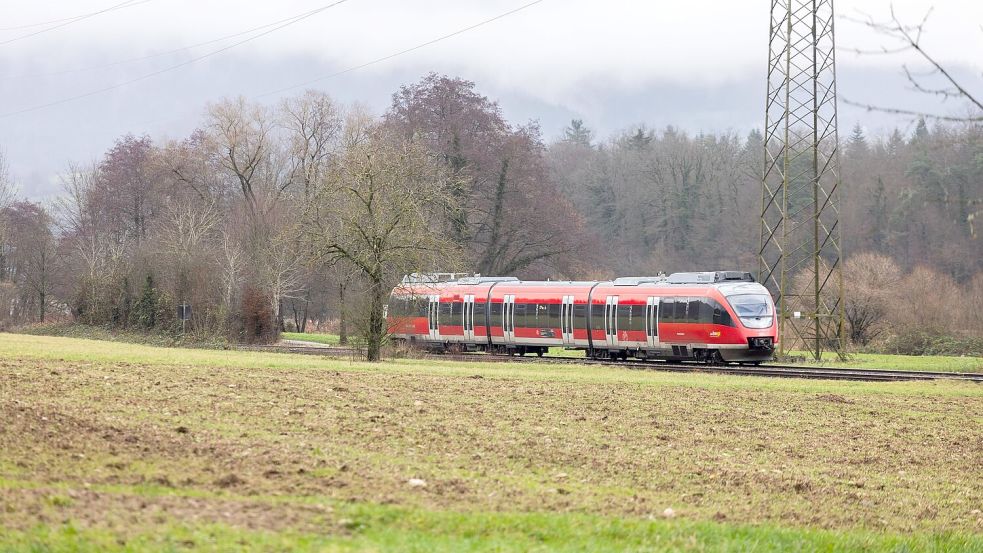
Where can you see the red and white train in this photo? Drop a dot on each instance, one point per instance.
(713, 317)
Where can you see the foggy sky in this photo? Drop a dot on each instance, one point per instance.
(698, 65)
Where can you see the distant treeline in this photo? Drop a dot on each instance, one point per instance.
(270, 217)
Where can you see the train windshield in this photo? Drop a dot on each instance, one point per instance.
(754, 310)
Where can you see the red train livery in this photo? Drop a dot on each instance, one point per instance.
(721, 316)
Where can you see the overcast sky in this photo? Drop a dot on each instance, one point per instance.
(696, 64)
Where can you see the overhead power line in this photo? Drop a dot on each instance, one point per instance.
(172, 67)
(70, 20)
(401, 52)
(160, 54)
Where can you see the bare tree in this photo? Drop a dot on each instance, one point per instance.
(243, 134)
(32, 256)
(378, 210)
(6, 199)
(313, 123)
(907, 38)
(872, 287)
(282, 268)
(100, 250)
(233, 266)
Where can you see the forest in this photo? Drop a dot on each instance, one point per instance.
(301, 215)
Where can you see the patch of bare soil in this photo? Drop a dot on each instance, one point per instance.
(129, 445)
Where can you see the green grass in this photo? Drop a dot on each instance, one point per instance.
(380, 528)
(931, 363)
(60, 349)
(128, 447)
(329, 339)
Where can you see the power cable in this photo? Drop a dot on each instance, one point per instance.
(173, 67)
(159, 54)
(401, 52)
(74, 17)
(69, 21)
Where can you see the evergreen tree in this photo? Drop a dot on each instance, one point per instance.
(921, 131)
(857, 145)
(577, 133)
(145, 309)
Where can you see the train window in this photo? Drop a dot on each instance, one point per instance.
(444, 310)
(624, 317)
(720, 315)
(580, 316)
(520, 314)
(654, 326)
(636, 318)
(479, 314)
(456, 310)
(679, 314)
(693, 311)
(597, 316)
(496, 314)
(554, 315)
(700, 311)
(667, 311)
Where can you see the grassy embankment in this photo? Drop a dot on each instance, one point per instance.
(859, 360)
(118, 446)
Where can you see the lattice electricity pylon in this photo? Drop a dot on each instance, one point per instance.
(799, 255)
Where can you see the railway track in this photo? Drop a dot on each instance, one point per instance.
(768, 370)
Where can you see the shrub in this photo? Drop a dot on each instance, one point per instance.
(920, 342)
(257, 325)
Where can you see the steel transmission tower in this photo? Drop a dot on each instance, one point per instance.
(799, 255)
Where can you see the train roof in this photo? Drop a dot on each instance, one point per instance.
(682, 279)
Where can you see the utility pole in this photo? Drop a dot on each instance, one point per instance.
(799, 257)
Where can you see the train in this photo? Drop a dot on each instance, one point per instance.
(712, 317)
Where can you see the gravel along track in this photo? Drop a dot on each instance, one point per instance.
(770, 370)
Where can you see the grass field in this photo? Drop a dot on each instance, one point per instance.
(329, 339)
(111, 446)
(941, 363)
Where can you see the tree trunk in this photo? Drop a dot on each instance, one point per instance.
(342, 316)
(307, 305)
(280, 325)
(41, 308)
(377, 324)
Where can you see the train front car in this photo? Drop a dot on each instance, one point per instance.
(710, 317)
(735, 319)
(755, 320)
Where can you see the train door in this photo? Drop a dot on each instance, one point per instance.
(508, 318)
(566, 320)
(611, 321)
(433, 311)
(468, 315)
(652, 322)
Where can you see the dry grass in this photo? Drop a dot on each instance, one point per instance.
(127, 446)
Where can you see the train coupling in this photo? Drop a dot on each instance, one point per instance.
(766, 343)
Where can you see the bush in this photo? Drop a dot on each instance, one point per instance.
(257, 325)
(920, 342)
